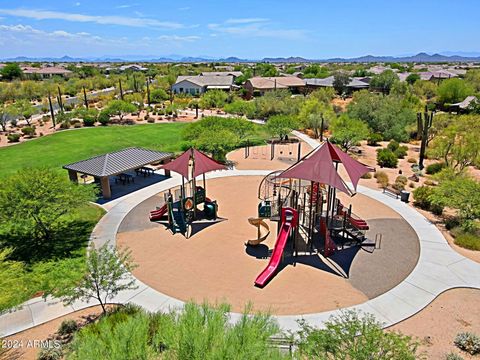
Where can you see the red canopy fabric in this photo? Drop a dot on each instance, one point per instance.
(180, 164)
(318, 167)
(203, 164)
(354, 168)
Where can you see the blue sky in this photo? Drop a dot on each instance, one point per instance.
(249, 29)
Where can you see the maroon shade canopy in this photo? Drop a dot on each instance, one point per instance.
(202, 164)
(319, 167)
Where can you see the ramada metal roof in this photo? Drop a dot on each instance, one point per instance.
(118, 161)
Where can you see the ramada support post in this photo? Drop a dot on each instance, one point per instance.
(105, 184)
(73, 176)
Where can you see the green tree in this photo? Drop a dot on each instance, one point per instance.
(453, 91)
(425, 89)
(158, 95)
(6, 112)
(341, 80)
(456, 143)
(281, 125)
(347, 132)
(384, 81)
(265, 70)
(412, 78)
(354, 336)
(108, 273)
(458, 191)
(213, 99)
(25, 109)
(119, 108)
(11, 71)
(217, 142)
(34, 206)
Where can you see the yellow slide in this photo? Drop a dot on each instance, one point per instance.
(263, 230)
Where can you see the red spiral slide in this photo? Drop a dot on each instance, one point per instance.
(159, 213)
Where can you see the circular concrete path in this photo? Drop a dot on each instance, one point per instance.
(439, 268)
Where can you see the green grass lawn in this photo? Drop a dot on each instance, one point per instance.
(73, 145)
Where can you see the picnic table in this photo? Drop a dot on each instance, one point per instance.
(145, 171)
(124, 178)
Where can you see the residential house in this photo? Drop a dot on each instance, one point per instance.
(235, 74)
(198, 84)
(260, 85)
(45, 72)
(354, 84)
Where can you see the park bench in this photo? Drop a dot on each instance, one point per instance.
(391, 191)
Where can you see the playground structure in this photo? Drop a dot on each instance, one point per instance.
(181, 209)
(309, 190)
(263, 230)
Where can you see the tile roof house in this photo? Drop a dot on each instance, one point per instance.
(354, 84)
(45, 72)
(235, 74)
(262, 84)
(198, 84)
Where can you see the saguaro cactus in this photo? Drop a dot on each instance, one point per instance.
(424, 123)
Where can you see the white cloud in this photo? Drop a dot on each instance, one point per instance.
(77, 4)
(99, 19)
(246, 20)
(256, 27)
(179, 38)
(126, 6)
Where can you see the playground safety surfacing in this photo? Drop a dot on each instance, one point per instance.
(215, 265)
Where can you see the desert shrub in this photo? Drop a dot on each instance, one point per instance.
(28, 131)
(65, 124)
(50, 353)
(401, 152)
(197, 332)
(412, 160)
(13, 138)
(386, 158)
(68, 326)
(354, 336)
(374, 139)
(411, 185)
(150, 120)
(468, 240)
(468, 342)
(393, 145)
(434, 168)
(401, 179)
(429, 182)
(367, 175)
(452, 222)
(422, 196)
(103, 118)
(382, 178)
(453, 356)
(89, 121)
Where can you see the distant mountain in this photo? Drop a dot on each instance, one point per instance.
(418, 58)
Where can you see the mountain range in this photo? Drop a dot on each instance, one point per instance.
(418, 58)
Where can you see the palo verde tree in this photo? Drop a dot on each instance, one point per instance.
(108, 273)
(384, 81)
(25, 109)
(119, 108)
(11, 71)
(281, 125)
(347, 131)
(34, 208)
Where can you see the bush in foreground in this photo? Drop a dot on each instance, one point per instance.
(354, 336)
(386, 158)
(197, 332)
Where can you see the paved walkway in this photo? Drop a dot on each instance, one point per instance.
(439, 269)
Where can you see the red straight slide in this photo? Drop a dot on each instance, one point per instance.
(157, 214)
(276, 258)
